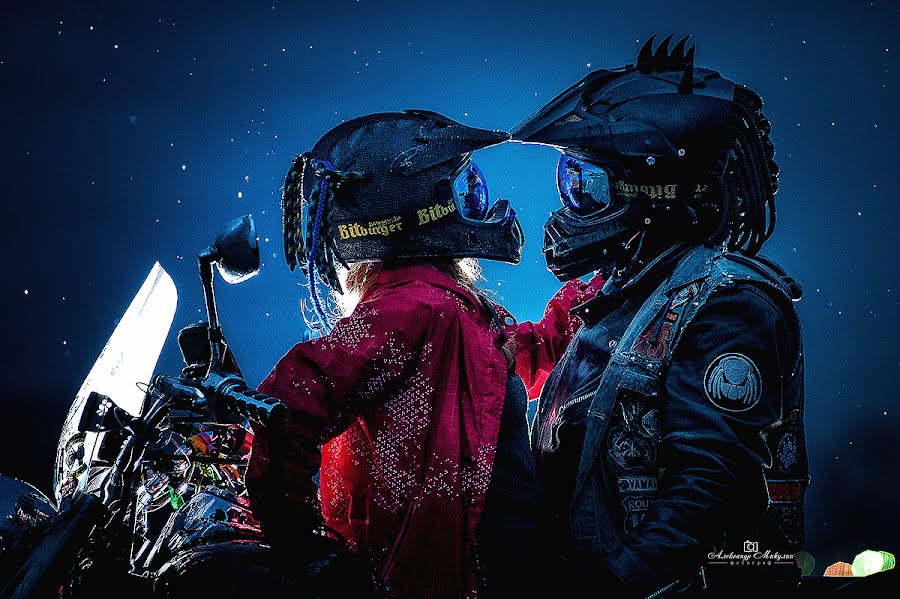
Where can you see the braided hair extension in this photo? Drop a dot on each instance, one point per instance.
(292, 206)
(749, 177)
(315, 266)
(308, 241)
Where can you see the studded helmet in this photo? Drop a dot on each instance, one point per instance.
(653, 154)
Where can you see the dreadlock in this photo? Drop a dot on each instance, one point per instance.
(307, 225)
(748, 176)
(293, 205)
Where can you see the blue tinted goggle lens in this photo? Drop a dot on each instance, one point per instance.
(583, 187)
(471, 194)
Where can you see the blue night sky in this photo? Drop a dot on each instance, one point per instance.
(132, 132)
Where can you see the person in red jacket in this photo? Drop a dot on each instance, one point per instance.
(409, 408)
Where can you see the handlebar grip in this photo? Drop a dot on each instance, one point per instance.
(234, 393)
(256, 406)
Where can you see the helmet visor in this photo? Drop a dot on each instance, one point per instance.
(470, 193)
(583, 187)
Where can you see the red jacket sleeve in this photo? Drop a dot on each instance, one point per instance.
(539, 345)
(326, 383)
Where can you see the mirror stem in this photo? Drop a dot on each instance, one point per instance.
(205, 261)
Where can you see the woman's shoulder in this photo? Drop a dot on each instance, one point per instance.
(410, 297)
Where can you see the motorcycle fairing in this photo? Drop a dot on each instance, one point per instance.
(128, 359)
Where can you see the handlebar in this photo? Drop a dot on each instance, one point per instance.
(232, 392)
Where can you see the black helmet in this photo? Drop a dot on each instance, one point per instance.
(659, 150)
(394, 186)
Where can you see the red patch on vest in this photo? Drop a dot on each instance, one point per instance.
(654, 341)
(785, 490)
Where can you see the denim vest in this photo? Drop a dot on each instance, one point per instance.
(636, 373)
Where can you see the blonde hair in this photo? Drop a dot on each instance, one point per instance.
(465, 271)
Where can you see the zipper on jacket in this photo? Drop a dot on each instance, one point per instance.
(575, 400)
(557, 421)
(665, 589)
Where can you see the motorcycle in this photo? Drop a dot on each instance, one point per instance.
(148, 487)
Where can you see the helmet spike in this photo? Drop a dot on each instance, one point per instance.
(661, 56)
(677, 53)
(687, 78)
(645, 56)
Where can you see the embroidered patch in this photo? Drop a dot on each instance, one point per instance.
(631, 444)
(790, 520)
(637, 493)
(785, 491)
(732, 383)
(653, 342)
(786, 454)
(652, 425)
(684, 295)
(637, 484)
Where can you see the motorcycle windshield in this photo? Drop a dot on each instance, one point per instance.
(128, 359)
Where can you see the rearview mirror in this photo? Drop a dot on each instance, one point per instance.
(236, 250)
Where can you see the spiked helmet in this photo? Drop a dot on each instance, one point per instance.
(684, 148)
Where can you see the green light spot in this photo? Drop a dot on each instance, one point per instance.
(805, 562)
(175, 499)
(871, 562)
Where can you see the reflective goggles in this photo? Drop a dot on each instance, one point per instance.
(470, 192)
(583, 187)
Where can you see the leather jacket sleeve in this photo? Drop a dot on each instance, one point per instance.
(538, 346)
(722, 391)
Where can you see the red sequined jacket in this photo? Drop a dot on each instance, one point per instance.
(404, 397)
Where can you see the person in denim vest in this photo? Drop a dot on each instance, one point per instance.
(669, 437)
